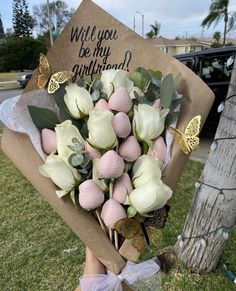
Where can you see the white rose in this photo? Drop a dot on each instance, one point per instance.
(63, 175)
(101, 132)
(78, 101)
(114, 79)
(148, 121)
(65, 133)
(150, 196)
(146, 168)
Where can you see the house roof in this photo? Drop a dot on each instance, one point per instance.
(162, 41)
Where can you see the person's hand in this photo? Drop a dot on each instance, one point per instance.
(92, 265)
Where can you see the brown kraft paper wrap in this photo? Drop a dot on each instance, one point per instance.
(93, 41)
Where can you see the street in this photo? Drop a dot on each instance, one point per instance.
(5, 94)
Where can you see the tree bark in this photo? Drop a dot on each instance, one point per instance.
(213, 214)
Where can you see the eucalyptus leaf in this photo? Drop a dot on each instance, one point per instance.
(175, 103)
(81, 82)
(95, 95)
(43, 117)
(75, 160)
(171, 118)
(83, 171)
(167, 90)
(103, 95)
(86, 163)
(97, 84)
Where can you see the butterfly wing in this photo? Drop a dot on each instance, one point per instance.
(58, 78)
(193, 127)
(179, 137)
(139, 242)
(44, 71)
(128, 227)
(191, 132)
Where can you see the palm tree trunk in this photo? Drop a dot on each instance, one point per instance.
(212, 213)
(225, 27)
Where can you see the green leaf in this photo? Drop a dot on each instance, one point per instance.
(176, 103)
(131, 211)
(97, 84)
(81, 82)
(83, 171)
(59, 95)
(152, 93)
(72, 197)
(75, 160)
(139, 80)
(167, 90)
(43, 117)
(171, 118)
(144, 72)
(95, 95)
(156, 74)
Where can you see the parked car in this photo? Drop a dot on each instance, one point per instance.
(24, 79)
(214, 67)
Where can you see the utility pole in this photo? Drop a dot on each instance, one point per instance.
(142, 22)
(134, 23)
(49, 24)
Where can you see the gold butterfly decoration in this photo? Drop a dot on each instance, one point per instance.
(131, 228)
(188, 139)
(46, 77)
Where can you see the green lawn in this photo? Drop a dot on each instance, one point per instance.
(6, 77)
(9, 76)
(33, 240)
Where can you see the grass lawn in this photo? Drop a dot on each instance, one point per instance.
(33, 240)
(6, 77)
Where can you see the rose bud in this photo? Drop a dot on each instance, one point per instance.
(49, 141)
(112, 211)
(159, 149)
(102, 104)
(91, 151)
(111, 165)
(122, 187)
(90, 195)
(121, 124)
(130, 149)
(120, 100)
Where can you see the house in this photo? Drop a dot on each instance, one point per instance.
(180, 46)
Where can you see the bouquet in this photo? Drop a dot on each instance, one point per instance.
(107, 144)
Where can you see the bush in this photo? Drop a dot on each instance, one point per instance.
(20, 53)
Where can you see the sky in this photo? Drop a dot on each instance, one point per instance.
(177, 17)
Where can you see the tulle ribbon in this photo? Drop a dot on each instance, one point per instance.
(142, 276)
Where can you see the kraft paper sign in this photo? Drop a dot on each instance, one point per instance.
(93, 41)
